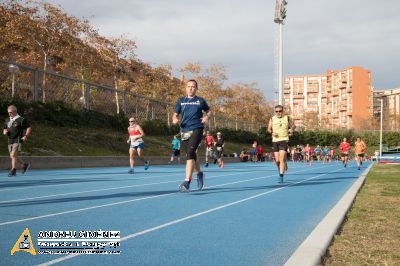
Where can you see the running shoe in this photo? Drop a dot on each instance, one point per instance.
(26, 167)
(200, 180)
(131, 171)
(146, 165)
(280, 178)
(359, 168)
(184, 187)
(13, 172)
(206, 165)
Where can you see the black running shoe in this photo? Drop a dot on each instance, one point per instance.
(26, 167)
(206, 165)
(200, 180)
(13, 172)
(131, 171)
(280, 178)
(184, 187)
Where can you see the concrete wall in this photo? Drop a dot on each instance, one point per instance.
(49, 162)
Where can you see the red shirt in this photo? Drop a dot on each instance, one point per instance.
(259, 150)
(133, 131)
(344, 147)
(209, 140)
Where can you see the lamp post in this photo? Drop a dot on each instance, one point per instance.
(13, 70)
(280, 15)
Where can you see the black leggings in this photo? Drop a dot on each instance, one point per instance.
(192, 144)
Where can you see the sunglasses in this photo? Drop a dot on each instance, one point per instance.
(131, 121)
(278, 111)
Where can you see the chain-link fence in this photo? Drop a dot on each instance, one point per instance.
(32, 84)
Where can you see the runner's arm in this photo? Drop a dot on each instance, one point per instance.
(270, 126)
(141, 132)
(175, 119)
(206, 117)
(28, 131)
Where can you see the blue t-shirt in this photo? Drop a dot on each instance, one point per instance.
(326, 151)
(192, 112)
(175, 144)
(318, 151)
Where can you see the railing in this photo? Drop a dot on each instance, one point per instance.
(33, 84)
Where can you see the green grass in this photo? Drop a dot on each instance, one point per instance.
(371, 233)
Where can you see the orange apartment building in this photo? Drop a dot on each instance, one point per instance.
(339, 99)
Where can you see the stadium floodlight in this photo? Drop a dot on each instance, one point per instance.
(279, 18)
(13, 70)
(280, 11)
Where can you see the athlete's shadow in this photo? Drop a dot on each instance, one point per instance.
(125, 196)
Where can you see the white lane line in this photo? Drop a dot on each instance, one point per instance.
(89, 191)
(172, 173)
(126, 201)
(107, 189)
(156, 228)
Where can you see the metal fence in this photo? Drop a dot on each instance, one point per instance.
(32, 84)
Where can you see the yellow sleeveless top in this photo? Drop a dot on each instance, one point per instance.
(281, 127)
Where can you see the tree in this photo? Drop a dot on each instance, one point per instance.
(210, 80)
(311, 121)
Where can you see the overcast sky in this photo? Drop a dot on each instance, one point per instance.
(318, 35)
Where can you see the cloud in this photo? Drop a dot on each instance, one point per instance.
(318, 35)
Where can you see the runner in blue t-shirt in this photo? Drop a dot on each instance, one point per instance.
(194, 113)
(318, 152)
(176, 149)
(326, 154)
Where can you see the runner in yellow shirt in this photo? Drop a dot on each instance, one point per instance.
(281, 127)
(359, 150)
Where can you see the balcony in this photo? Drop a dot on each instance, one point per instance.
(343, 80)
(298, 96)
(349, 113)
(335, 93)
(310, 90)
(342, 86)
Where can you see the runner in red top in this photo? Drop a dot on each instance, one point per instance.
(136, 144)
(344, 149)
(209, 142)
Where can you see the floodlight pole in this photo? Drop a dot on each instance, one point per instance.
(280, 68)
(280, 16)
(381, 133)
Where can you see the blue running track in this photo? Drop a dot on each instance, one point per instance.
(242, 217)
